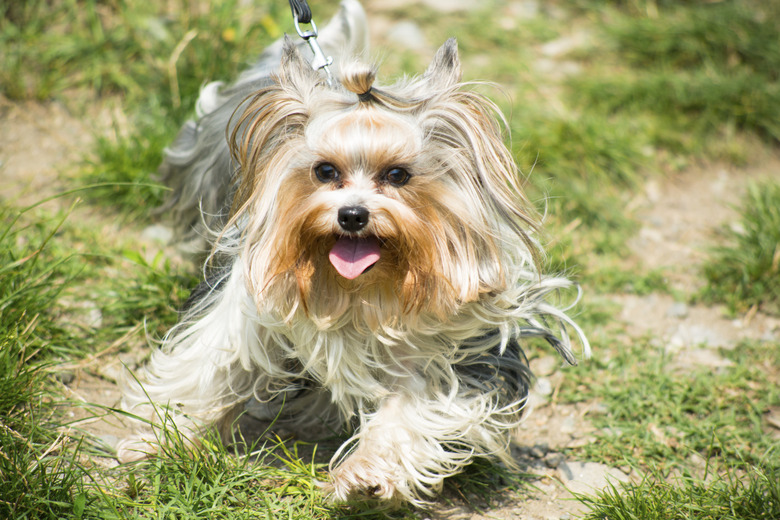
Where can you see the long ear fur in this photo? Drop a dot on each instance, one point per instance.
(295, 69)
(444, 71)
(269, 121)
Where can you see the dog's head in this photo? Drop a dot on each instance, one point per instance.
(404, 199)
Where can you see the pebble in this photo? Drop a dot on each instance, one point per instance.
(554, 460)
(538, 451)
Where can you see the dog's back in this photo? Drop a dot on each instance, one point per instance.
(198, 166)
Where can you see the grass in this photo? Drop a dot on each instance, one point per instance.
(134, 50)
(712, 413)
(694, 70)
(744, 271)
(661, 85)
(37, 480)
(731, 497)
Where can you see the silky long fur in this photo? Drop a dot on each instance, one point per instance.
(422, 351)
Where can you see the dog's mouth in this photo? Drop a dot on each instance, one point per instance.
(353, 256)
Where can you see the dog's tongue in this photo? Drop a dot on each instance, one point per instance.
(352, 256)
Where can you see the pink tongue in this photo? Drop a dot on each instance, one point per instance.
(352, 256)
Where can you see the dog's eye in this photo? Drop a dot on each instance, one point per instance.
(326, 172)
(397, 176)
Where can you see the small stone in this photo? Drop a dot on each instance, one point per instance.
(565, 471)
(109, 440)
(580, 442)
(553, 460)
(539, 450)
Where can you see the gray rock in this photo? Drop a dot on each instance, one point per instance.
(554, 460)
(539, 451)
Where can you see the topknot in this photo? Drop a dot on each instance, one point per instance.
(359, 78)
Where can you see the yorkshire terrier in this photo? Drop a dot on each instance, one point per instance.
(374, 265)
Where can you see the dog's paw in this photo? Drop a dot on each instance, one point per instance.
(365, 477)
(134, 448)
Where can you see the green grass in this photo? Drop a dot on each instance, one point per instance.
(664, 423)
(745, 270)
(138, 51)
(37, 479)
(694, 70)
(663, 84)
(755, 495)
(680, 411)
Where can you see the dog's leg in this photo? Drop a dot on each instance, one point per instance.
(412, 443)
(201, 374)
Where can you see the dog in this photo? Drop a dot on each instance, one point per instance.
(374, 266)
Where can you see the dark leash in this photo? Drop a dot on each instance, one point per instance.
(302, 16)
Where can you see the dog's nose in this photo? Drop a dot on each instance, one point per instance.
(353, 218)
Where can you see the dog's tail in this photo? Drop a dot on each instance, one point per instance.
(197, 166)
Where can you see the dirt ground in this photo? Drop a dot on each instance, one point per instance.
(679, 215)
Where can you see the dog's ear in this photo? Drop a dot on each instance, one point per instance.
(294, 66)
(444, 71)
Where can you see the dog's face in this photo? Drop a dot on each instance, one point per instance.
(405, 197)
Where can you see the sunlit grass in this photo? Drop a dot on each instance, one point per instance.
(744, 271)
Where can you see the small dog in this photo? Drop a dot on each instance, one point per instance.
(373, 265)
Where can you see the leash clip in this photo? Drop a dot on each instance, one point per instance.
(320, 61)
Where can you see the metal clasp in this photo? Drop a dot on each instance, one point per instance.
(320, 61)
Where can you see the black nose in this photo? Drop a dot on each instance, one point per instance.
(353, 218)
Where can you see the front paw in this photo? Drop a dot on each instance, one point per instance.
(365, 477)
(135, 447)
